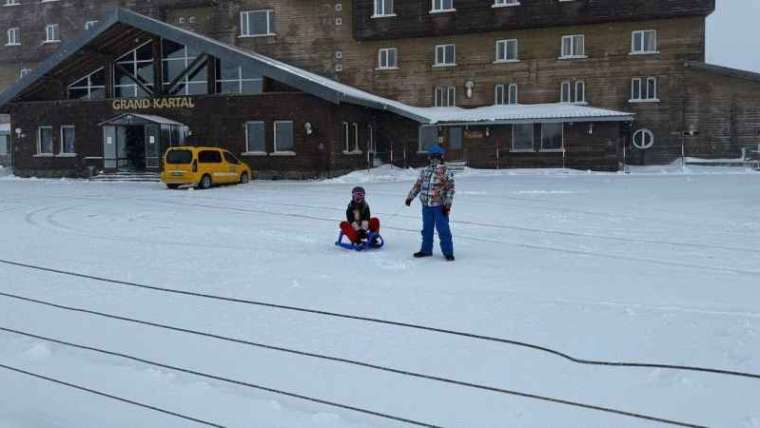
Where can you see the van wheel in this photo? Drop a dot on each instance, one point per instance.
(244, 179)
(205, 182)
(172, 186)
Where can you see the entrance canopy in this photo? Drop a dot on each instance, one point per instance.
(129, 119)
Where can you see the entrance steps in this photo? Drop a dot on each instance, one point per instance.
(127, 177)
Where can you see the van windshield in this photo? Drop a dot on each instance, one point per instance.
(179, 156)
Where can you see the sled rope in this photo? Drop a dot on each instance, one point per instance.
(339, 360)
(386, 322)
(113, 397)
(222, 379)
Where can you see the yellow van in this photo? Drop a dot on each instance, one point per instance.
(202, 167)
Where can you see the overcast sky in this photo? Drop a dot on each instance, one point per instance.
(733, 34)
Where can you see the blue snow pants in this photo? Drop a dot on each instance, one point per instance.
(433, 217)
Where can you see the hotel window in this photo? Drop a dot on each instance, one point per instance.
(383, 8)
(505, 3)
(573, 46)
(644, 42)
(644, 89)
(573, 92)
(255, 137)
(176, 59)
(257, 23)
(4, 144)
(90, 87)
(24, 72)
(551, 137)
(505, 94)
(90, 24)
(643, 139)
(522, 137)
(11, 3)
(232, 79)
(428, 135)
(442, 6)
(350, 134)
(52, 33)
(445, 96)
(136, 64)
(387, 59)
(14, 37)
(45, 140)
(68, 140)
(283, 136)
(445, 55)
(507, 51)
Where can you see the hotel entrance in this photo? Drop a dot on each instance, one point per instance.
(135, 142)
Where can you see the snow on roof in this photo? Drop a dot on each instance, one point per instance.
(517, 113)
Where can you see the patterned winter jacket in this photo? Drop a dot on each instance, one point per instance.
(435, 186)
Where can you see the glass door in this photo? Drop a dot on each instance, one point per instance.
(110, 158)
(152, 147)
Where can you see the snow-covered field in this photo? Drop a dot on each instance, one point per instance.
(647, 267)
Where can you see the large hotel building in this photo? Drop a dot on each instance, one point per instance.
(303, 88)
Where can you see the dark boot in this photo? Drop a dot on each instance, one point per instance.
(450, 257)
(420, 254)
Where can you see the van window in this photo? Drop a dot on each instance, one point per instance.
(179, 156)
(229, 158)
(209, 156)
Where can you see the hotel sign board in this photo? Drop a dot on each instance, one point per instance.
(153, 103)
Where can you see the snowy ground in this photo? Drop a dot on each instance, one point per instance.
(657, 266)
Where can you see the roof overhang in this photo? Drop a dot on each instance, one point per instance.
(520, 114)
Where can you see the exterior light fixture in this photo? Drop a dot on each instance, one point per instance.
(590, 128)
(469, 85)
(308, 128)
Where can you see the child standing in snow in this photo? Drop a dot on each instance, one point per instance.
(359, 222)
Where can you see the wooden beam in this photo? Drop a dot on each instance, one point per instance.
(135, 79)
(190, 68)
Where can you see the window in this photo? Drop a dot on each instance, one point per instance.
(387, 59)
(573, 92)
(346, 136)
(45, 140)
(255, 137)
(23, 72)
(179, 157)
(90, 24)
(383, 8)
(52, 33)
(644, 89)
(445, 55)
(257, 23)
(92, 86)
(283, 136)
(442, 6)
(14, 37)
(11, 3)
(232, 79)
(68, 140)
(505, 94)
(445, 96)
(428, 136)
(573, 46)
(210, 156)
(644, 42)
(136, 64)
(455, 138)
(551, 137)
(230, 158)
(643, 139)
(4, 144)
(177, 58)
(505, 3)
(507, 51)
(522, 138)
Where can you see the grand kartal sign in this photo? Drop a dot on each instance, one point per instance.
(153, 103)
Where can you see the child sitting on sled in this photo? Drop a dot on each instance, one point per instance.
(359, 220)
